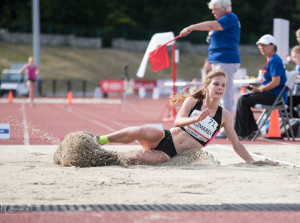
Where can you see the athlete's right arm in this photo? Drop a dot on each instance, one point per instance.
(183, 119)
(23, 68)
(238, 147)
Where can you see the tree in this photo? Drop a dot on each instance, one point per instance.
(283, 9)
(15, 15)
(137, 19)
(296, 14)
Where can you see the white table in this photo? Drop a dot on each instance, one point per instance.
(236, 82)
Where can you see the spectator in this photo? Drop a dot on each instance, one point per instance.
(289, 58)
(206, 69)
(272, 78)
(224, 38)
(298, 36)
(295, 54)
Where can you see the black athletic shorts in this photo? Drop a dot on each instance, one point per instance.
(166, 145)
(32, 80)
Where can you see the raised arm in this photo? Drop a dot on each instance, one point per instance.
(238, 147)
(202, 26)
(183, 118)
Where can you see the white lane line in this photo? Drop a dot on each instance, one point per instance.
(90, 120)
(119, 123)
(93, 121)
(112, 121)
(279, 142)
(263, 157)
(142, 111)
(26, 136)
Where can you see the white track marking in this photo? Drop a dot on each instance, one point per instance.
(95, 122)
(113, 121)
(119, 123)
(263, 157)
(26, 136)
(141, 111)
(279, 142)
(90, 120)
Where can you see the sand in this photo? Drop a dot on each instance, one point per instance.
(215, 176)
(79, 149)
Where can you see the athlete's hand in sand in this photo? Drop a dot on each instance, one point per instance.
(204, 114)
(271, 162)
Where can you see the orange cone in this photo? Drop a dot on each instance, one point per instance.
(10, 96)
(274, 127)
(70, 97)
(243, 90)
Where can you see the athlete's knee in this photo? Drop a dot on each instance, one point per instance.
(140, 130)
(134, 131)
(145, 132)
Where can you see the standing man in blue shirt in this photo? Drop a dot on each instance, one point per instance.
(224, 38)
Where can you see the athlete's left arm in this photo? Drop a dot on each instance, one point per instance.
(238, 147)
(37, 71)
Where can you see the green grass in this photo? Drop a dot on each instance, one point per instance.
(63, 63)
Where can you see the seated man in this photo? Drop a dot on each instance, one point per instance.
(273, 78)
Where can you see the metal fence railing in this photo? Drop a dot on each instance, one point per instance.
(59, 88)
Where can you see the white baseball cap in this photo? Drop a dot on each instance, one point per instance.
(267, 39)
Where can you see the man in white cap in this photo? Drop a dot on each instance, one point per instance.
(272, 80)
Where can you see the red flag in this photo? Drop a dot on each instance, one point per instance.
(159, 58)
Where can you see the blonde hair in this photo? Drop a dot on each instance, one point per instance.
(30, 59)
(296, 49)
(219, 4)
(200, 94)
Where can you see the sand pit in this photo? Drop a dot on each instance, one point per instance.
(258, 163)
(192, 158)
(80, 150)
(214, 176)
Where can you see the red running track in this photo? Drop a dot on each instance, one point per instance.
(47, 122)
(54, 121)
(154, 216)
